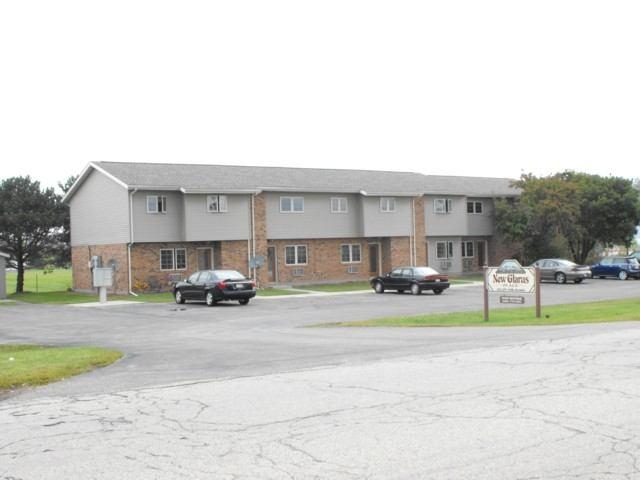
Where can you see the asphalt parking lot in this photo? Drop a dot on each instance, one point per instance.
(252, 392)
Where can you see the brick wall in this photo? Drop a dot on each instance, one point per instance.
(111, 255)
(260, 228)
(145, 261)
(420, 231)
(323, 261)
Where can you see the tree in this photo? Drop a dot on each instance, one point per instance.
(29, 218)
(578, 209)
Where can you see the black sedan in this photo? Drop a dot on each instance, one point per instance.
(414, 279)
(212, 286)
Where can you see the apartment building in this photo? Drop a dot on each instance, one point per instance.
(155, 223)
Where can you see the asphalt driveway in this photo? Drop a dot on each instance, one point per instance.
(251, 393)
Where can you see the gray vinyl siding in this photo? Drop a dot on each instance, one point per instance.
(158, 227)
(376, 223)
(316, 221)
(99, 212)
(452, 264)
(458, 221)
(201, 225)
(481, 224)
(452, 223)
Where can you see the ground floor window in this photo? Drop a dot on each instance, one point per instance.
(173, 259)
(350, 253)
(444, 250)
(295, 255)
(467, 249)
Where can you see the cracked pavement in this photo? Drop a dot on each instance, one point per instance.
(564, 408)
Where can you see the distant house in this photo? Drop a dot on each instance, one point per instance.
(4, 258)
(154, 223)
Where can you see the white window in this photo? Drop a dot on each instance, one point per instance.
(166, 259)
(295, 255)
(350, 253)
(442, 205)
(339, 205)
(467, 249)
(173, 259)
(181, 258)
(156, 204)
(474, 207)
(387, 204)
(444, 250)
(291, 204)
(216, 203)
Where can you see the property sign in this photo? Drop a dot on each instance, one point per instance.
(511, 277)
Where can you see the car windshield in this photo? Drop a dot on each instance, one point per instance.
(426, 271)
(229, 275)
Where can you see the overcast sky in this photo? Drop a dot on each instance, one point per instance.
(482, 88)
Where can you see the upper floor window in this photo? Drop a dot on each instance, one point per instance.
(474, 207)
(291, 204)
(216, 203)
(339, 205)
(444, 250)
(442, 205)
(295, 255)
(350, 253)
(156, 204)
(387, 204)
(467, 249)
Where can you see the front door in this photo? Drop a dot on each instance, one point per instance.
(374, 259)
(205, 258)
(272, 266)
(482, 259)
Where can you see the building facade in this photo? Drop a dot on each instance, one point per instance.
(156, 223)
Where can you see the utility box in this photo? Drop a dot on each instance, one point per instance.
(103, 278)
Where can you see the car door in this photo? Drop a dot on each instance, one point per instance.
(407, 278)
(604, 268)
(546, 269)
(394, 280)
(188, 289)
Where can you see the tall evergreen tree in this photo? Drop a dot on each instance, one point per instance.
(29, 220)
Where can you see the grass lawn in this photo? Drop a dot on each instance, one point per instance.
(30, 365)
(35, 280)
(606, 311)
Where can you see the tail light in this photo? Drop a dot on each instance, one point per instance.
(221, 284)
(253, 284)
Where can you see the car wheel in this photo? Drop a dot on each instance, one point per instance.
(577, 280)
(561, 278)
(415, 289)
(209, 299)
(623, 275)
(437, 291)
(243, 301)
(378, 287)
(178, 296)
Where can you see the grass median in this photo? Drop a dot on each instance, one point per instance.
(32, 365)
(594, 312)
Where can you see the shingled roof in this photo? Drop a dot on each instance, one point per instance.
(194, 178)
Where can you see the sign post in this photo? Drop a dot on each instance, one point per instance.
(511, 280)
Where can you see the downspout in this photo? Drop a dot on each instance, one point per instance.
(131, 194)
(413, 252)
(253, 234)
